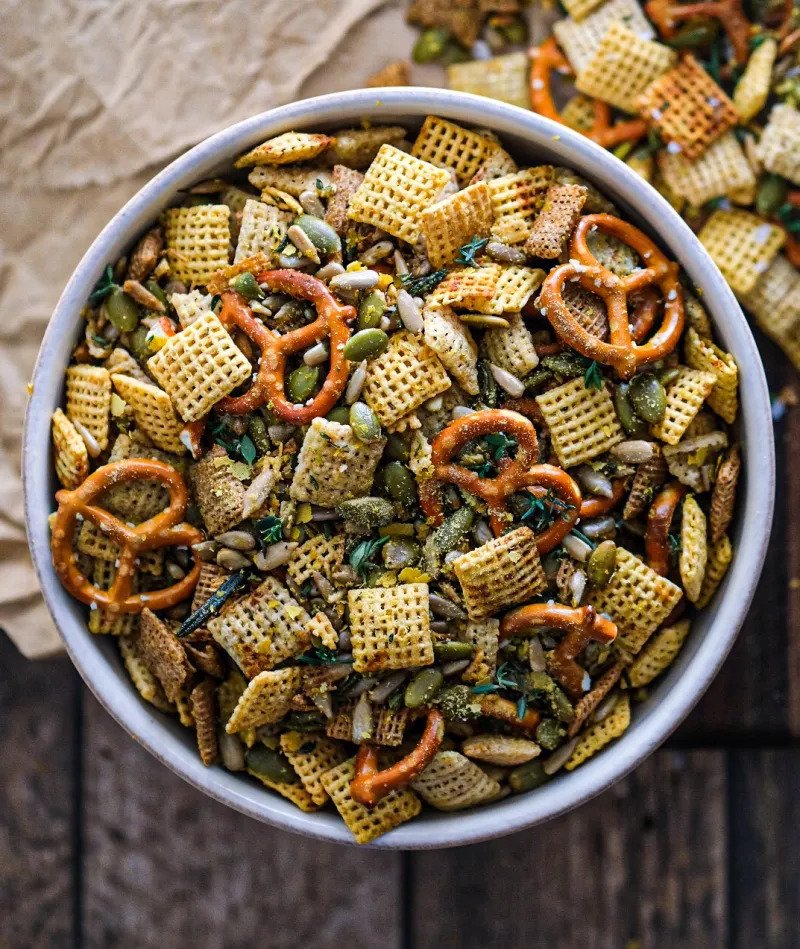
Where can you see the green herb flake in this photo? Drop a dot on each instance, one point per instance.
(103, 287)
(362, 554)
(269, 528)
(247, 449)
(466, 254)
(421, 286)
(593, 377)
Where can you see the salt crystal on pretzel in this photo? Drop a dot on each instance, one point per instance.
(70, 456)
(658, 655)
(364, 823)
(199, 366)
(720, 556)
(333, 465)
(266, 699)
(687, 107)
(452, 782)
(779, 145)
(516, 200)
(597, 736)
(721, 170)
(555, 222)
(511, 347)
(197, 241)
(504, 571)
(452, 342)
(89, 401)
(390, 627)
(582, 422)
(694, 548)
(263, 628)
(285, 149)
(703, 354)
(448, 145)
(311, 756)
(219, 493)
(502, 77)
(404, 376)
(685, 397)
(153, 411)
(579, 40)
(396, 189)
(454, 221)
(622, 67)
(636, 598)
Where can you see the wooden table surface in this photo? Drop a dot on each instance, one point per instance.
(102, 846)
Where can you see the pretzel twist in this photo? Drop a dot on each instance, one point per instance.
(544, 60)
(268, 386)
(666, 14)
(514, 475)
(622, 353)
(371, 785)
(164, 530)
(582, 625)
(659, 518)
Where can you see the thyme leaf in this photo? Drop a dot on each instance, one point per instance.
(466, 253)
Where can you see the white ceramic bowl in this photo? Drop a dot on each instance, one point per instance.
(535, 140)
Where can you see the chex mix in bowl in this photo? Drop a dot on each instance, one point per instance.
(396, 470)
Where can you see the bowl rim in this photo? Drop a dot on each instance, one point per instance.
(674, 698)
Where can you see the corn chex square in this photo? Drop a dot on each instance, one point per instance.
(516, 200)
(153, 412)
(263, 628)
(318, 554)
(685, 397)
(407, 374)
(197, 241)
(452, 342)
(694, 548)
(120, 360)
(597, 736)
(658, 655)
(779, 146)
(513, 289)
(189, 307)
(775, 302)
(622, 67)
(218, 492)
(199, 366)
(466, 288)
(742, 245)
(688, 108)
(500, 573)
(292, 790)
(484, 635)
(511, 348)
(70, 455)
(266, 699)
(502, 77)
(579, 40)
(636, 598)
(145, 683)
(320, 627)
(333, 465)
(396, 189)
(723, 169)
(260, 232)
(311, 756)
(365, 824)
(452, 782)
(102, 621)
(453, 221)
(703, 354)
(390, 627)
(582, 422)
(89, 401)
(448, 145)
(285, 149)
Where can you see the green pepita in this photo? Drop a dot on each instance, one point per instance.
(602, 563)
(400, 483)
(430, 45)
(269, 764)
(565, 365)
(320, 233)
(422, 689)
(364, 422)
(365, 514)
(694, 35)
(648, 397)
(370, 310)
(340, 414)
(399, 553)
(527, 777)
(137, 343)
(550, 733)
(453, 650)
(447, 537)
(155, 288)
(246, 285)
(396, 448)
(365, 344)
(771, 194)
(668, 374)
(629, 420)
(122, 311)
(302, 383)
(257, 430)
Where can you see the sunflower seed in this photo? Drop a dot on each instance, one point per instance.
(356, 383)
(507, 381)
(355, 280)
(409, 312)
(316, 355)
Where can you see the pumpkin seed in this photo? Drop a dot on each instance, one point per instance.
(370, 310)
(365, 344)
(340, 414)
(302, 383)
(122, 311)
(364, 422)
(257, 430)
(771, 194)
(550, 733)
(483, 321)
(422, 689)
(602, 563)
(527, 777)
(400, 483)
(271, 765)
(430, 45)
(648, 397)
(367, 513)
(452, 650)
(320, 233)
(396, 448)
(628, 418)
(399, 553)
(246, 286)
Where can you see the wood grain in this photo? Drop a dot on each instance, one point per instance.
(165, 866)
(38, 800)
(645, 864)
(765, 858)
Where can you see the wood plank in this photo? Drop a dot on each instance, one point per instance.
(645, 862)
(37, 799)
(765, 859)
(164, 866)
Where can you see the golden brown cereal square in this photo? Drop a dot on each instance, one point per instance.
(204, 712)
(484, 635)
(721, 170)
(719, 559)
(153, 412)
(404, 376)
(466, 288)
(396, 189)
(320, 627)
(694, 548)
(779, 146)
(582, 422)
(333, 465)
(452, 342)
(254, 264)
(636, 598)
(71, 457)
(263, 628)
(390, 726)
(218, 492)
(145, 683)
(597, 736)
(658, 655)
(197, 241)
(462, 18)
(163, 654)
(579, 40)
(318, 554)
(579, 9)
(103, 621)
(514, 287)
(89, 401)
(311, 756)
(390, 627)
(742, 245)
(285, 149)
(685, 397)
(500, 573)
(502, 77)
(622, 67)
(554, 224)
(199, 366)
(266, 699)
(587, 704)
(448, 145)
(452, 782)
(704, 355)
(511, 348)
(516, 200)
(454, 221)
(189, 306)
(775, 302)
(364, 823)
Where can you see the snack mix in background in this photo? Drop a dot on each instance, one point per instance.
(398, 470)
